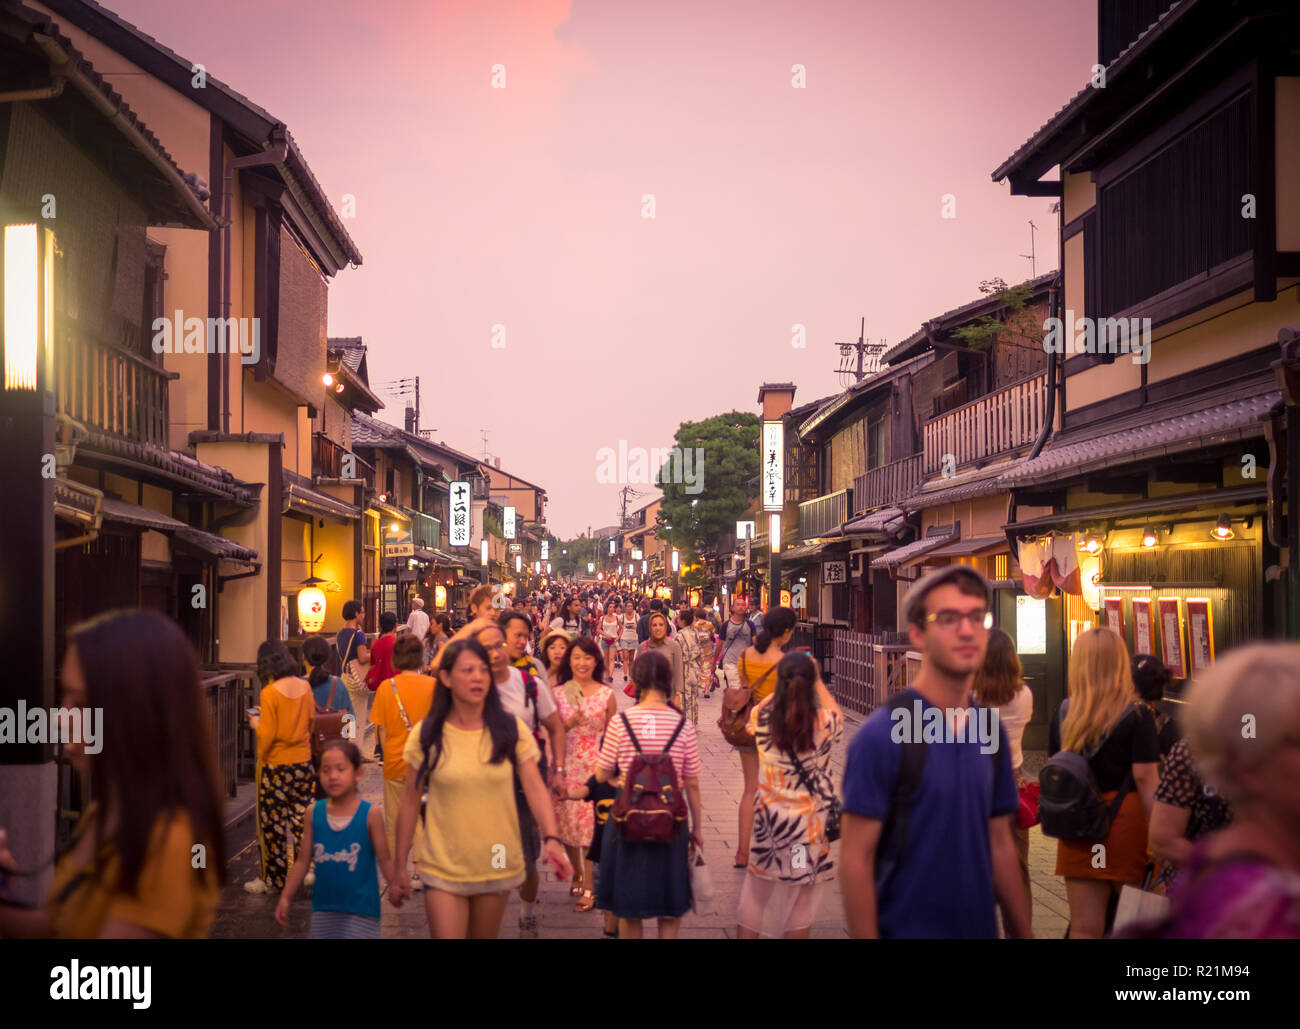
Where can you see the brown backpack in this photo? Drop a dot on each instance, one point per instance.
(328, 723)
(737, 702)
(651, 805)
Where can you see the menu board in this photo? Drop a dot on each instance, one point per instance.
(1114, 607)
(1142, 638)
(1200, 634)
(1171, 636)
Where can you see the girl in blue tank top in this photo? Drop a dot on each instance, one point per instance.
(343, 836)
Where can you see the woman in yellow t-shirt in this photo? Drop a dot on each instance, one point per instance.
(757, 667)
(145, 747)
(466, 754)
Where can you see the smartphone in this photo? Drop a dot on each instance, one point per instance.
(252, 711)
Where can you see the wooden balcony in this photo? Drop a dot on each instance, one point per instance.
(327, 461)
(824, 515)
(887, 484)
(983, 429)
(110, 388)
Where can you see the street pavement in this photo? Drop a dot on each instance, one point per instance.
(242, 915)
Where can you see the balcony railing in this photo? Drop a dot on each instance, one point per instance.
(327, 461)
(887, 484)
(824, 515)
(981, 430)
(426, 530)
(110, 388)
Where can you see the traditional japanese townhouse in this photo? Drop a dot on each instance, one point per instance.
(1180, 221)
(529, 503)
(640, 542)
(256, 291)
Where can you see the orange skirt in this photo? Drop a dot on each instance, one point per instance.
(1125, 856)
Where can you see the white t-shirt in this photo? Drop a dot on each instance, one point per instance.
(418, 623)
(514, 700)
(1014, 716)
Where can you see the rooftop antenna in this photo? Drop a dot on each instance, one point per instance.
(484, 434)
(867, 357)
(1031, 256)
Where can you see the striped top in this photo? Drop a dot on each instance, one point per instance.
(652, 727)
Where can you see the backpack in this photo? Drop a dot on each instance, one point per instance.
(529, 674)
(327, 726)
(651, 805)
(1070, 806)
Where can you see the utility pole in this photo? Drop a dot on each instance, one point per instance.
(858, 352)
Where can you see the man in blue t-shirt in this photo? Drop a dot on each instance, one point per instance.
(957, 859)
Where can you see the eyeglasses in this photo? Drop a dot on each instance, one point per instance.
(949, 619)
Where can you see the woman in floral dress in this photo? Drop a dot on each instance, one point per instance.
(691, 650)
(585, 705)
(794, 728)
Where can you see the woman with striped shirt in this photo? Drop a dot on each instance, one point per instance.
(650, 880)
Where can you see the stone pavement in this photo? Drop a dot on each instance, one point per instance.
(243, 915)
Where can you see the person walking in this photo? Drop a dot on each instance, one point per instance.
(954, 863)
(794, 729)
(129, 870)
(585, 705)
(417, 622)
(381, 652)
(1243, 882)
(640, 880)
(554, 645)
(327, 690)
(286, 780)
(999, 684)
(400, 702)
(756, 670)
(611, 626)
(343, 839)
(466, 755)
(1105, 720)
(439, 632)
(628, 640)
(735, 637)
(658, 641)
(689, 643)
(354, 660)
(568, 618)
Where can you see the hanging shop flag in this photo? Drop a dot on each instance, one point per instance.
(1142, 639)
(1036, 567)
(460, 514)
(1171, 636)
(1200, 634)
(1065, 564)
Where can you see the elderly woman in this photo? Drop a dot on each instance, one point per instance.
(1243, 728)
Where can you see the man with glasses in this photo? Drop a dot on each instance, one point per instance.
(928, 848)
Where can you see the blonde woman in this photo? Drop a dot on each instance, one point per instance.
(1105, 721)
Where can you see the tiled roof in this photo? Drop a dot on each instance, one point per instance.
(981, 485)
(351, 350)
(173, 462)
(217, 546)
(895, 557)
(1177, 436)
(888, 520)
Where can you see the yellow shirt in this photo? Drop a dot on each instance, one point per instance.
(284, 730)
(471, 825)
(753, 671)
(417, 698)
(172, 898)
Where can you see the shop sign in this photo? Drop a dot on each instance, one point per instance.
(833, 573)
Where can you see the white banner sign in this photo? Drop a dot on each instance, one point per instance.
(773, 466)
(508, 522)
(460, 515)
(546, 550)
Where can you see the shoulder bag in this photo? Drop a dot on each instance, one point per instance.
(834, 809)
(737, 702)
(327, 726)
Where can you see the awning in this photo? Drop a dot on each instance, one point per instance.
(388, 509)
(971, 547)
(1138, 511)
(76, 503)
(806, 550)
(895, 558)
(138, 517)
(300, 499)
(215, 546)
(886, 521)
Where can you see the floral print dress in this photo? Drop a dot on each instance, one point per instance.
(577, 818)
(789, 843)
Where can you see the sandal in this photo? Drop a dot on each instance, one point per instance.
(586, 903)
(576, 889)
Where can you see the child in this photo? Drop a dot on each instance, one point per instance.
(344, 836)
(602, 796)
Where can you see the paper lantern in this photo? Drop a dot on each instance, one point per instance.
(311, 609)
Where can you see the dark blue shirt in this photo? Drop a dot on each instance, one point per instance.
(943, 885)
(342, 699)
(349, 637)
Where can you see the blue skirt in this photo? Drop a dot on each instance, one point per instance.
(643, 880)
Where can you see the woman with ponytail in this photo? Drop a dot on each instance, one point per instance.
(795, 728)
(757, 669)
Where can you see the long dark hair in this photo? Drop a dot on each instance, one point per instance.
(776, 622)
(652, 671)
(999, 678)
(159, 757)
(500, 723)
(793, 710)
(589, 647)
(316, 651)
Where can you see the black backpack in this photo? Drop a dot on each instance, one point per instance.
(1070, 805)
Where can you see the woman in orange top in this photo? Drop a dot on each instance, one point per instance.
(149, 757)
(757, 667)
(286, 781)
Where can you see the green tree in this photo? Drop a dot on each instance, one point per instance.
(1014, 323)
(724, 459)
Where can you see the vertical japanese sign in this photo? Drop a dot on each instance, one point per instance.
(460, 499)
(1142, 626)
(1171, 636)
(1115, 614)
(1200, 634)
(773, 466)
(546, 550)
(508, 522)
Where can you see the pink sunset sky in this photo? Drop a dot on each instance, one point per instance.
(522, 207)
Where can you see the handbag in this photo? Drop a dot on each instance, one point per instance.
(1027, 812)
(328, 723)
(353, 680)
(834, 809)
(701, 883)
(737, 702)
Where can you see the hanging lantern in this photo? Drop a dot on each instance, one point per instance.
(311, 607)
(439, 597)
